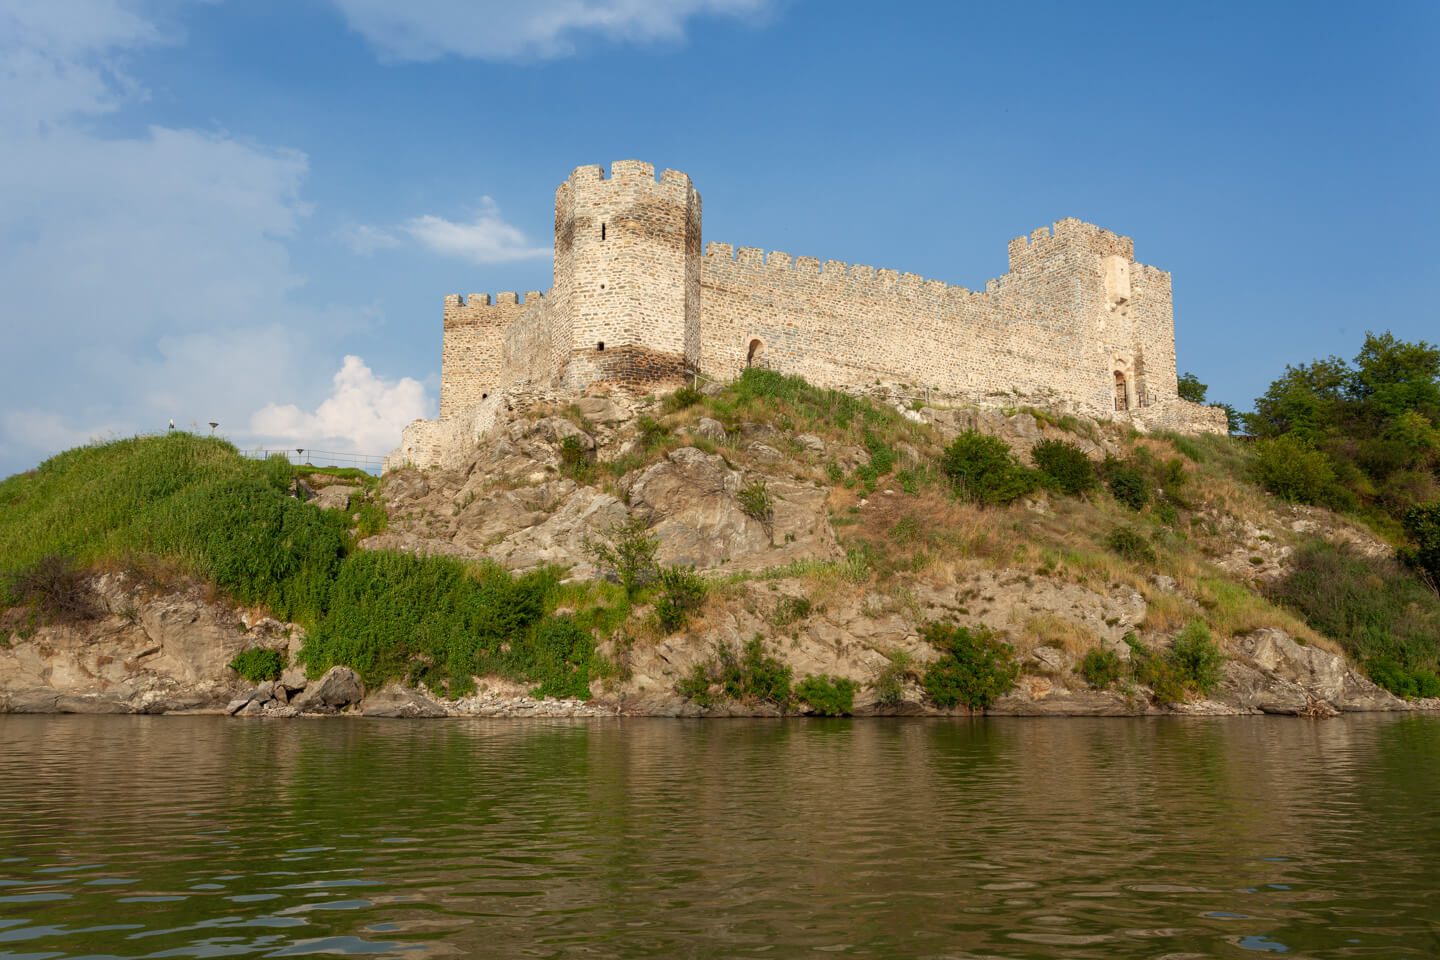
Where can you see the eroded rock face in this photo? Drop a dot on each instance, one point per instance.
(1275, 674)
(403, 703)
(144, 654)
(338, 689)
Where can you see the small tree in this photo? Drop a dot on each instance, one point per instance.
(1191, 388)
(682, 592)
(1422, 526)
(626, 553)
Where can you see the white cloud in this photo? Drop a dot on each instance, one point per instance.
(484, 239)
(506, 29)
(147, 276)
(363, 414)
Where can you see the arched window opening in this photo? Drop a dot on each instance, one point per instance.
(600, 346)
(602, 231)
(757, 347)
(484, 396)
(1122, 403)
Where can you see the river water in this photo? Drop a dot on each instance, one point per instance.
(1169, 838)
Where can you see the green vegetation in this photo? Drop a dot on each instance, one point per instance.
(1375, 424)
(1065, 467)
(975, 670)
(1422, 526)
(683, 398)
(576, 461)
(1101, 667)
(756, 503)
(751, 676)
(681, 592)
(626, 553)
(1127, 482)
(983, 470)
(1131, 545)
(788, 610)
(1387, 621)
(257, 664)
(828, 696)
(889, 683)
(1191, 388)
(181, 505)
(1191, 665)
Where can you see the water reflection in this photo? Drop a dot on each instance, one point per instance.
(206, 837)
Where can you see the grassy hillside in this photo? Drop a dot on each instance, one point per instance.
(180, 505)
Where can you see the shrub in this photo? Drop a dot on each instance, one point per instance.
(558, 654)
(652, 432)
(1197, 658)
(681, 593)
(983, 470)
(1127, 483)
(755, 501)
(975, 668)
(889, 683)
(828, 696)
(257, 664)
(682, 398)
(370, 519)
(1065, 466)
(575, 461)
(1294, 471)
(1101, 668)
(54, 586)
(790, 609)
(1422, 526)
(1130, 545)
(626, 553)
(752, 675)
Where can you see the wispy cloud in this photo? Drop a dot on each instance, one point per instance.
(543, 29)
(483, 238)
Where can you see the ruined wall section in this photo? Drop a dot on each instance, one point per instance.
(534, 346)
(471, 355)
(627, 275)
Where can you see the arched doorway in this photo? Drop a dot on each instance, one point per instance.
(1122, 402)
(757, 348)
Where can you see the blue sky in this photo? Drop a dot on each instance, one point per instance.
(250, 211)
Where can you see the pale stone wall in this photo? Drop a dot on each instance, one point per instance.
(1072, 310)
(470, 353)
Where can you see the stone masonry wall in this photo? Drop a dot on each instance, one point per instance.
(1042, 333)
(470, 353)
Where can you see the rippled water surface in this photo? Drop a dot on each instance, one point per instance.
(210, 837)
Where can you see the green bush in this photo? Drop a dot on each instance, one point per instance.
(257, 664)
(652, 432)
(575, 460)
(54, 587)
(983, 470)
(370, 519)
(751, 675)
(975, 668)
(1130, 545)
(626, 553)
(1385, 618)
(889, 683)
(681, 593)
(1065, 467)
(1422, 527)
(682, 398)
(1197, 657)
(790, 609)
(1127, 482)
(1294, 471)
(756, 503)
(1101, 667)
(828, 696)
(558, 655)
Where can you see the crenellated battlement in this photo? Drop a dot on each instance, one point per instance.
(1067, 236)
(638, 303)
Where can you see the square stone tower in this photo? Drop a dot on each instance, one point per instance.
(627, 275)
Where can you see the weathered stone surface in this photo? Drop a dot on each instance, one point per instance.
(400, 702)
(334, 497)
(339, 688)
(711, 429)
(1275, 674)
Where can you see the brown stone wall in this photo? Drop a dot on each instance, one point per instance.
(471, 363)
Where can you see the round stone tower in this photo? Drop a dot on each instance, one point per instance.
(626, 300)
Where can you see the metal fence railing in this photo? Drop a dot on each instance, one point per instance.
(305, 457)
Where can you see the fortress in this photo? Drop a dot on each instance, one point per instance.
(1075, 324)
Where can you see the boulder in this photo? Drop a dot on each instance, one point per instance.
(334, 497)
(337, 689)
(711, 430)
(811, 443)
(400, 702)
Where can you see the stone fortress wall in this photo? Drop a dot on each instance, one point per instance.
(1075, 324)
